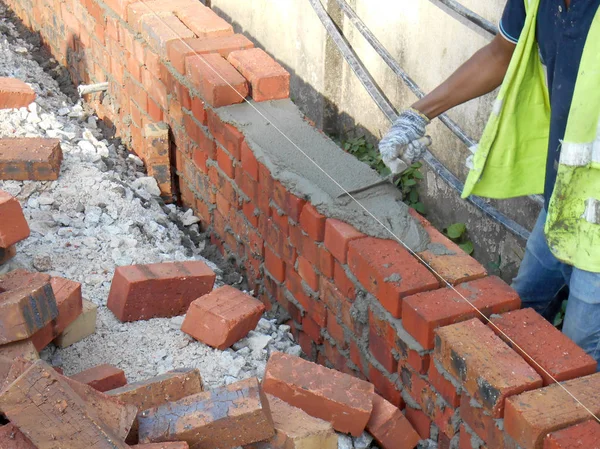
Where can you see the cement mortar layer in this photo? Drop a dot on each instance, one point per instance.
(320, 171)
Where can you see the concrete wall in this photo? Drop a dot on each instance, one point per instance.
(429, 42)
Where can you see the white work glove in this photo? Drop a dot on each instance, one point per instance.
(405, 143)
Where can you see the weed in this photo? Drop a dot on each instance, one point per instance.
(457, 232)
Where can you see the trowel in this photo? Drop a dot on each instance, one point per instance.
(397, 167)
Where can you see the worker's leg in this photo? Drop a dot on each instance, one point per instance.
(582, 319)
(541, 276)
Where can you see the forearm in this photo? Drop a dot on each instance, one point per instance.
(480, 75)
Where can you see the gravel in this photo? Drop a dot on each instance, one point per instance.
(104, 212)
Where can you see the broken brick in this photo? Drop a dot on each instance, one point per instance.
(389, 426)
(141, 292)
(13, 226)
(388, 271)
(530, 416)
(15, 94)
(295, 429)
(222, 317)
(102, 377)
(39, 402)
(486, 367)
(424, 312)
(83, 326)
(12, 438)
(581, 436)
(344, 401)
(559, 357)
(23, 348)
(216, 79)
(30, 158)
(229, 416)
(268, 79)
(27, 304)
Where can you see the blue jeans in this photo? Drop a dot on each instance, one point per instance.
(541, 277)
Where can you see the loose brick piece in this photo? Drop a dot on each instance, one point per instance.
(30, 158)
(488, 369)
(268, 79)
(102, 377)
(15, 94)
(178, 50)
(560, 357)
(169, 445)
(203, 21)
(344, 401)
(7, 253)
(337, 237)
(229, 416)
(157, 391)
(39, 403)
(27, 304)
(222, 317)
(157, 156)
(295, 429)
(388, 271)
(69, 304)
(530, 416)
(159, 31)
(581, 436)
(141, 292)
(83, 326)
(424, 312)
(24, 349)
(389, 426)
(13, 226)
(216, 79)
(12, 438)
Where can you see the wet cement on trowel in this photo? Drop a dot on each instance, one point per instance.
(306, 180)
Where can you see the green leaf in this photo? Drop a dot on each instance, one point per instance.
(419, 175)
(347, 146)
(410, 182)
(419, 207)
(467, 247)
(456, 230)
(414, 196)
(417, 165)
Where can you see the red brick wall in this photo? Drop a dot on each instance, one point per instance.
(419, 343)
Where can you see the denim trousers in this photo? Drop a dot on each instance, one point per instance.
(541, 276)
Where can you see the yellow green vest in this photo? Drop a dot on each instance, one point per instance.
(511, 157)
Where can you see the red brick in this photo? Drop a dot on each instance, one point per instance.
(581, 436)
(102, 377)
(30, 158)
(167, 445)
(466, 439)
(280, 220)
(555, 357)
(69, 303)
(312, 329)
(156, 391)
(443, 386)
(269, 80)
(236, 414)
(249, 162)
(420, 422)
(389, 426)
(54, 402)
(225, 163)
(307, 272)
(222, 317)
(384, 386)
(13, 226)
(159, 31)
(274, 265)
(382, 339)
(338, 235)
(326, 262)
(157, 155)
(137, 10)
(424, 312)
(312, 222)
(19, 349)
(388, 271)
(344, 401)
(481, 422)
(14, 93)
(530, 416)
(343, 282)
(198, 110)
(141, 292)
(336, 331)
(12, 438)
(227, 135)
(216, 80)
(119, 6)
(487, 368)
(177, 51)
(340, 306)
(27, 304)
(203, 21)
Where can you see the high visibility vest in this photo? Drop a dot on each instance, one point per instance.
(511, 157)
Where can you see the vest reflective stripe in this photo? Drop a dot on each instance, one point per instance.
(511, 157)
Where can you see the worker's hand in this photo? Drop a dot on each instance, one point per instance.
(405, 140)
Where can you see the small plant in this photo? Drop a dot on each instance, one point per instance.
(560, 316)
(406, 182)
(457, 232)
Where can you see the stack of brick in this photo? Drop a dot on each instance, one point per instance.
(362, 305)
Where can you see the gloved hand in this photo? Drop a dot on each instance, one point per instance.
(405, 140)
